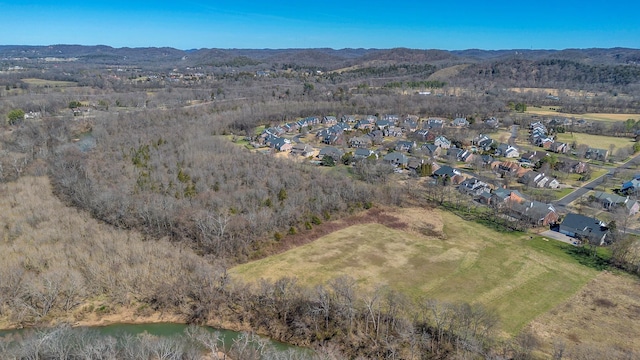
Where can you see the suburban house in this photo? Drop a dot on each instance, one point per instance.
(415, 163)
(503, 197)
(546, 142)
(447, 171)
(302, 149)
(559, 147)
(534, 157)
(535, 212)
(459, 122)
(371, 119)
(538, 135)
(348, 119)
(612, 201)
(384, 124)
(596, 154)
(281, 144)
(405, 145)
(329, 120)
(397, 159)
(632, 186)
(465, 155)
(362, 153)
(332, 152)
(431, 149)
(442, 142)
(473, 187)
(483, 142)
(505, 168)
(583, 227)
(577, 167)
(433, 123)
(491, 122)
(363, 125)
(536, 179)
(360, 142)
(487, 160)
(377, 136)
(291, 127)
(507, 151)
(410, 124)
(426, 135)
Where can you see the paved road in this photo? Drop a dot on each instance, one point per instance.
(562, 203)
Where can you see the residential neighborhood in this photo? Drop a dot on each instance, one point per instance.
(521, 180)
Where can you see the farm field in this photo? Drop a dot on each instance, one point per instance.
(595, 141)
(552, 111)
(519, 276)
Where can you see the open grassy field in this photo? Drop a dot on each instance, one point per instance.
(605, 314)
(48, 83)
(552, 111)
(520, 276)
(596, 141)
(448, 72)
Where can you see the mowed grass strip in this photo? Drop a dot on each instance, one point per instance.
(608, 117)
(519, 276)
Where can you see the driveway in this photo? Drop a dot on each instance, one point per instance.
(558, 236)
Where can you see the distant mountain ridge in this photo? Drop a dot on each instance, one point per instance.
(570, 68)
(318, 57)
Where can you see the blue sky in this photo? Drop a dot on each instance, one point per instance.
(424, 24)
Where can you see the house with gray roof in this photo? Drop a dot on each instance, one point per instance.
(302, 149)
(583, 227)
(329, 120)
(535, 212)
(431, 149)
(362, 153)
(331, 151)
(442, 142)
(403, 145)
(460, 122)
(597, 154)
(397, 159)
(613, 201)
(360, 141)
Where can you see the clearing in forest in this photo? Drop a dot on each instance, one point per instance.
(48, 83)
(439, 256)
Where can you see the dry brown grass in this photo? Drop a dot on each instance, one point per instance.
(608, 117)
(447, 73)
(605, 314)
(435, 254)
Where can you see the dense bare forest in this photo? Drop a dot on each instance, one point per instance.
(162, 202)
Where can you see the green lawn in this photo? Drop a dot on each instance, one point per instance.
(596, 141)
(519, 276)
(574, 179)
